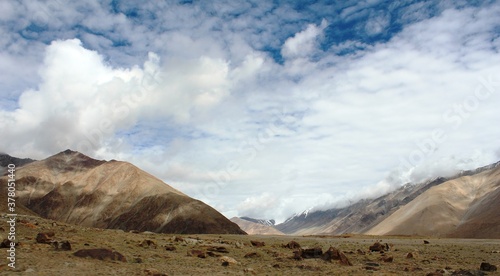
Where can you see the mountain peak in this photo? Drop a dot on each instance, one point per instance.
(70, 160)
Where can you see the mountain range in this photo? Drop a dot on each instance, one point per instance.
(463, 206)
(74, 188)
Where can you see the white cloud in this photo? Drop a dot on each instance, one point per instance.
(213, 114)
(304, 43)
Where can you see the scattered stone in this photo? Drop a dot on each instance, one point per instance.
(44, 237)
(148, 244)
(197, 253)
(178, 239)
(252, 255)
(344, 260)
(331, 254)
(249, 270)
(361, 252)
(134, 231)
(410, 255)
(170, 248)
(153, 272)
(61, 245)
(220, 249)
(213, 254)
(6, 244)
(487, 267)
(426, 242)
(138, 260)
(292, 245)
(239, 245)
(100, 254)
(463, 272)
(190, 241)
(388, 259)
(311, 253)
(227, 259)
(257, 243)
(377, 247)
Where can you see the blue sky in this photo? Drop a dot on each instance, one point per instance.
(259, 108)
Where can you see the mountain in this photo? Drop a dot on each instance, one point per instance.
(253, 227)
(74, 188)
(268, 222)
(466, 207)
(6, 159)
(371, 215)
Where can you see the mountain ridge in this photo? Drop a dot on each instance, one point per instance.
(74, 188)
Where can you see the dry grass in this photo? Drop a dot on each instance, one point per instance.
(445, 255)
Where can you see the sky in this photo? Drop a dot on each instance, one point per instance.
(258, 108)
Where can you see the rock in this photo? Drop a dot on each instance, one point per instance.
(153, 272)
(297, 255)
(310, 253)
(487, 267)
(178, 239)
(100, 254)
(276, 265)
(372, 264)
(213, 254)
(197, 253)
(331, 254)
(252, 255)
(292, 245)
(344, 260)
(44, 237)
(220, 249)
(6, 244)
(170, 248)
(410, 255)
(360, 252)
(426, 242)
(249, 270)
(377, 247)
(463, 272)
(61, 245)
(388, 259)
(257, 243)
(227, 259)
(239, 245)
(148, 244)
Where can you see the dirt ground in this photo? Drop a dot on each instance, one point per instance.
(166, 254)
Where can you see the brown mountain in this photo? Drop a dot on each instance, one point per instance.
(75, 188)
(255, 228)
(463, 206)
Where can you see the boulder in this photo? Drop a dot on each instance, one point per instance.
(44, 237)
(377, 247)
(257, 243)
(100, 254)
(487, 267)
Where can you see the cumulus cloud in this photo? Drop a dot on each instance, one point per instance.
(304, 43)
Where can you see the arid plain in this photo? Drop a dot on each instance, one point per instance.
(147, 253)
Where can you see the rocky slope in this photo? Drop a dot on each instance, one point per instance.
(253, 227)
(478, 192)
(73, 188)
(466, 207)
